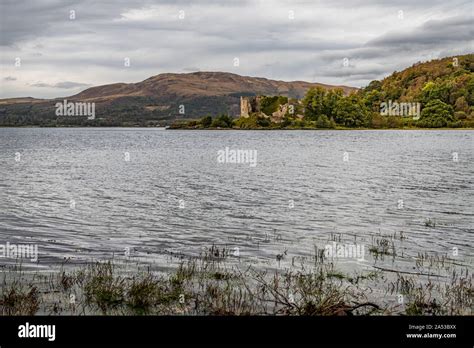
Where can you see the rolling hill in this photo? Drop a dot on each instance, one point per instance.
(157, 99)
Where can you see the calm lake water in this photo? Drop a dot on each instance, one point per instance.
(148, 194)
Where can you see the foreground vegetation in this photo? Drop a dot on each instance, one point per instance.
(206, 286)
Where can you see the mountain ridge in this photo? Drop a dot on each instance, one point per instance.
(202, 83)
(159, 98)
(159, 77)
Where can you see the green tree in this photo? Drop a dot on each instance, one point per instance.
(436, 90)
(436, 114)
(330, 101)
(372, 100)
(323, 122)
(206, 121)
(461, 105)
(263, 122)
(285, 122)
(351, 112)
(313, 103)
(374, 85)
(223, 121)
(470, 90)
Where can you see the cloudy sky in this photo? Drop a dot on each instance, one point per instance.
(55, 48)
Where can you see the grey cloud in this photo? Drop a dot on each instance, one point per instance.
(191, 69)
(433, 32)
(63, 85)
(311, 47)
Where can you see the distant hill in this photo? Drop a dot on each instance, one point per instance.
(157, 99)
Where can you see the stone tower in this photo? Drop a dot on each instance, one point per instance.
(249, 105)
(245, 107)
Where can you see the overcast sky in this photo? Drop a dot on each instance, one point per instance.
(334, 42)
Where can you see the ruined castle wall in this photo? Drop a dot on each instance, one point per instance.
(249, 105)
(245, 107)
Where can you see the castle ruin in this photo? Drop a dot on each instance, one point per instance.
(249, 105)
(252, 105)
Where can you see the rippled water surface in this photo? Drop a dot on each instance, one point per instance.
(73, 193)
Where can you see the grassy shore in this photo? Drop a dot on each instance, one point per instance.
(207, 286)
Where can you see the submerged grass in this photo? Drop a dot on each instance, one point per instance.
(206, 286)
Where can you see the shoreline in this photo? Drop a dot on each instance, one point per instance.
(248, 129)
(208, 286)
